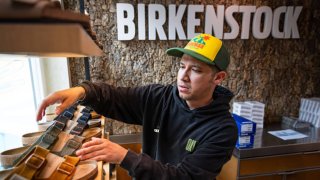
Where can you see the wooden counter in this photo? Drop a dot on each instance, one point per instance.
(274, 158)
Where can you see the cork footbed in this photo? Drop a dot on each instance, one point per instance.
(84, 169)
(91, 132)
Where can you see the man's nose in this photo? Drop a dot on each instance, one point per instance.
(185, 75)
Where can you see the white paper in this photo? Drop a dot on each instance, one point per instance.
(287, 134)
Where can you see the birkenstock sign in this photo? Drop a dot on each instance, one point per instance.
(152, 21)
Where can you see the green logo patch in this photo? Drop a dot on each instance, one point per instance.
(190, 145)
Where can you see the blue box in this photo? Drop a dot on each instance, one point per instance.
(245, 126)
(245, 141)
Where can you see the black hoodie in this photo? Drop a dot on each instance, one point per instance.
(178, 143)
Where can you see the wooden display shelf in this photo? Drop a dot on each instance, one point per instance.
(103, 168)
(48, 40)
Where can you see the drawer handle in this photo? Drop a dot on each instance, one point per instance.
(311, 152)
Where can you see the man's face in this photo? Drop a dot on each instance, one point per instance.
(195, 80)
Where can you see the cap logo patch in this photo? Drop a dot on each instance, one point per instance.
(198, 42)
(205, 45)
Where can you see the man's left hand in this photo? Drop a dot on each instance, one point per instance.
(102, 150)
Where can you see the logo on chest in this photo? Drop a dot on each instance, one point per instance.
(191, 144)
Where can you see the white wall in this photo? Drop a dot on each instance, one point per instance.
(55, 73)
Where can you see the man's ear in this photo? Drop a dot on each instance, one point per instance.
(219, 77)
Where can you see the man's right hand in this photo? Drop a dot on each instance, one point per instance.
(66, 97)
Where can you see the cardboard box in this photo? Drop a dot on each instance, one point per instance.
(245, 126)
(245, 141)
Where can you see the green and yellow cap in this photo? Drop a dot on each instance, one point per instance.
(205, 48)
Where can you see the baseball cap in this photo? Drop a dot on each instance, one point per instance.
(205, 48)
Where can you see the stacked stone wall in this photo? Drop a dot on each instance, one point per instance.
(277, 72)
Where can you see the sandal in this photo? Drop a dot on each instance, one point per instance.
(29, 138)
(94, 123)
(67, 144)
(49, 117)
(91, 132)
(8, 157)
(5, 173)
(29, 165)
(41, 164)
(59, 167)
(43, 126)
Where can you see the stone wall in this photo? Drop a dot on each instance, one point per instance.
(277, 72)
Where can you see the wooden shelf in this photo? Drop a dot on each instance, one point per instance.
(48, 40)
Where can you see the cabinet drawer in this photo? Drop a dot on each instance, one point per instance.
(274, 164)
(265, 177)
(306, 174)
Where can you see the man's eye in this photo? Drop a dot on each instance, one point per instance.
(196, 70)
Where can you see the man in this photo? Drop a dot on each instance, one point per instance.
(188, 132)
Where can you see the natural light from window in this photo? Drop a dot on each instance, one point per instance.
(17, 103)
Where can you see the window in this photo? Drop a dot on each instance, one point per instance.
(17, 104)
(24, 82)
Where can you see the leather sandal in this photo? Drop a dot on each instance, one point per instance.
(49, 117)
(29, 165)
(58, 167)
(55, 133)
(67, 144)
(46, 140)
(59, 139)
(8, 157)
(60, 142)
(94, 123)
(68, 168)
(95, 115)
(43, 126)
(5, 173)
(91, 132)
(41, 164)
(29, 138)
(86, 170)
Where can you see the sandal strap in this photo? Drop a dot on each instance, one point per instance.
(86, 109)
(61, 121)
(17, 177)
(66, 169)
(95, 115)
(46, 140)
(71, 146)
(82, 124)
(69, 113)
(32, 164)
(49, 137)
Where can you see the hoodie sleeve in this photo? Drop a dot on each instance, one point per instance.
(126, 104)
(121, 103)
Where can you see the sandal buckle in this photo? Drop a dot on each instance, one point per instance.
(68, 114)
(78, 130)
(35, 161)
(66, 168)
(73, 144)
